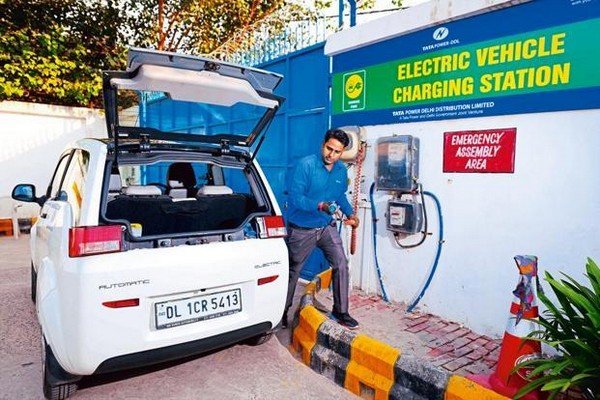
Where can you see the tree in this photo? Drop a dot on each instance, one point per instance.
(193, 26)
(52, 51)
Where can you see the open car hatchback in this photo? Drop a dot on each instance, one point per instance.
(164, 240)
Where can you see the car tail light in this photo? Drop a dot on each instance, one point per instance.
(90, 240)
(122, 303)
(271, 227)
(267, 279)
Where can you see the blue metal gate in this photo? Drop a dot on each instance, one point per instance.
(299, 126)
(296, 131)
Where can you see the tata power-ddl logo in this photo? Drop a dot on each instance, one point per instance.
(440, 36)
(355, 85)
(440, 33)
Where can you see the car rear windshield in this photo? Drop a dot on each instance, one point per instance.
(182, 197)
(158, 111)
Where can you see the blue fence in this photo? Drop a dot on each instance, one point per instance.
(296, 131)
(300, 125)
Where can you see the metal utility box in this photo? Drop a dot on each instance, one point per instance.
(397, 167)
(404, 216)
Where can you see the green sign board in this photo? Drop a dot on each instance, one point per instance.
(472, 77)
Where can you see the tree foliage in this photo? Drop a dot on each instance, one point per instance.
(193, 26)
(51, 51)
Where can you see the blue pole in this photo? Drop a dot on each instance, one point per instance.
(352, 12)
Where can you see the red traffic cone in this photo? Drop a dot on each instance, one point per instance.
(516, 347)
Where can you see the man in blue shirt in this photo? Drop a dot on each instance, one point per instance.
(319, 183)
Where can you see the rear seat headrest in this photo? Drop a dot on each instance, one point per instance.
(215, 189)
(175, 184)
(115, 184)
(138, 190)
(182, 172)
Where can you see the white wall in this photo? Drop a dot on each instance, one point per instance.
(549, 207)
(32, 137)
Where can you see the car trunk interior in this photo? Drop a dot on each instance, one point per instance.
(181, 197)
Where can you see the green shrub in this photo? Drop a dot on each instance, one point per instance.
(572, 327)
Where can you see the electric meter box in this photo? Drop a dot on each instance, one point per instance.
(397, 168)
(404, 216)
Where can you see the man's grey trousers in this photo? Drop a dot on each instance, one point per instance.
(301, 242)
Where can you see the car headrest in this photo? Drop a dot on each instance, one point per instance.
(178, 193)
(215, 189)
(115, 184)
(182, 172)
(138, 190)
(176, 184)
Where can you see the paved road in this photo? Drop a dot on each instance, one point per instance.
(237, 372)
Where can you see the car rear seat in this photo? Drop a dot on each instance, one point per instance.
(142, 190)
(215, 190)
(178, 191)
(227, 210)
(159, 214)
(114, 186)
(142, 205)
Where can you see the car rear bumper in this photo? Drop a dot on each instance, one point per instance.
(174, 352)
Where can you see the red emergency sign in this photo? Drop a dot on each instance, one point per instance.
(491, 150)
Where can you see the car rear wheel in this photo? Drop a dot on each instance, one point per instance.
(50, 369)
(33, 283)
(260, 339)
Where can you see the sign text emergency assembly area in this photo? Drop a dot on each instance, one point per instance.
(491, 150)
(530, 65)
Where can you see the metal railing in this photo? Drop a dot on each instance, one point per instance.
(266, 46)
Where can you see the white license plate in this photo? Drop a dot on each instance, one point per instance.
(193, 309)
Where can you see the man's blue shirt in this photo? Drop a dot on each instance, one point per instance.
(311, 184)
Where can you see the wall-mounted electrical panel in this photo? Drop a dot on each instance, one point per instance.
(397, 168)
(404, 216)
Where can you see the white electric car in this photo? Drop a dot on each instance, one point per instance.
(164, 240)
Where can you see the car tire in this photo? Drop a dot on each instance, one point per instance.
(33, 284)
(259, 339)
(53, 391)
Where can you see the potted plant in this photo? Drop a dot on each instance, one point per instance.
(572, 327)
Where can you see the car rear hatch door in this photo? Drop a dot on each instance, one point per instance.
(180, 98)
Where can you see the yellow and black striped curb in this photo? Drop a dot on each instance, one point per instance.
(368, 367)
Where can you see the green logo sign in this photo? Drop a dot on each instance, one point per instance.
(355, 85)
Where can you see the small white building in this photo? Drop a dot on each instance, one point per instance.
(504, 98)
(32, 138)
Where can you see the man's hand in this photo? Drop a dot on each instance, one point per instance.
(352, 221)
(327, 207)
